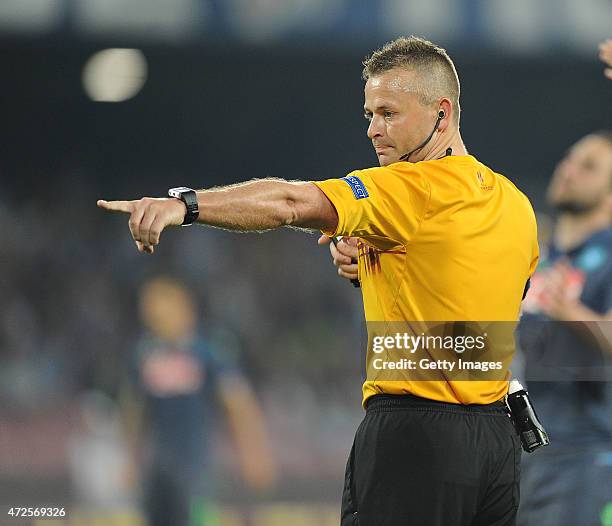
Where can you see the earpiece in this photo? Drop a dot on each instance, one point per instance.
(441, 114)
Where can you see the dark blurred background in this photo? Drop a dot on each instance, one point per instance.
(200, 93)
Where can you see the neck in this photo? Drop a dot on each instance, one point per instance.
(441, 142)
(573, 229)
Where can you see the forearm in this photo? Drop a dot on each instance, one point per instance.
(246, 423)
(594, 328)
(262, 205)
(252, 206)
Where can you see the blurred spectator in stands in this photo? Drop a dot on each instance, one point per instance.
(98, 456)
(177, 382)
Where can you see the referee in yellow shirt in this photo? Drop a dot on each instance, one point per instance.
(443, 238)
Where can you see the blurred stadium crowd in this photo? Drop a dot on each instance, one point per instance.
(65, 336)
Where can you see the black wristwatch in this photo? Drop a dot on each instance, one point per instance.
(190, 198)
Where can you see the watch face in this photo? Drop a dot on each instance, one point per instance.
(176, 192)
(190, 198)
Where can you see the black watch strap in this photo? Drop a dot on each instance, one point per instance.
(190, 198)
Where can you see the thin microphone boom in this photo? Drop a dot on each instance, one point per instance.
(406, 156)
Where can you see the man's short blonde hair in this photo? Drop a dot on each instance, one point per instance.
(436, 76)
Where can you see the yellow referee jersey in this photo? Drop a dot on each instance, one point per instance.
(440, 240)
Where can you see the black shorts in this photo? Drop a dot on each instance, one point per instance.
(416, 462)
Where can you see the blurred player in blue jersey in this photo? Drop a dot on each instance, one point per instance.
(177, 385)
(567, 345)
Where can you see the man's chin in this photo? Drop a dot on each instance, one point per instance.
(573, 207)
(385, 159)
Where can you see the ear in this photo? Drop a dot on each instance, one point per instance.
(446, 106)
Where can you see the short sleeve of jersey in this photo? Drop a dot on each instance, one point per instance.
(383, 206)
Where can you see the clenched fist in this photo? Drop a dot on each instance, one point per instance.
(344, 255)
(148, 218)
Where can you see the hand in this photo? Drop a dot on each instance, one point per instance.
(129, 475)
(605, 54)
(344, 255)
(558, 302)
(260, 473)
(148, 218)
